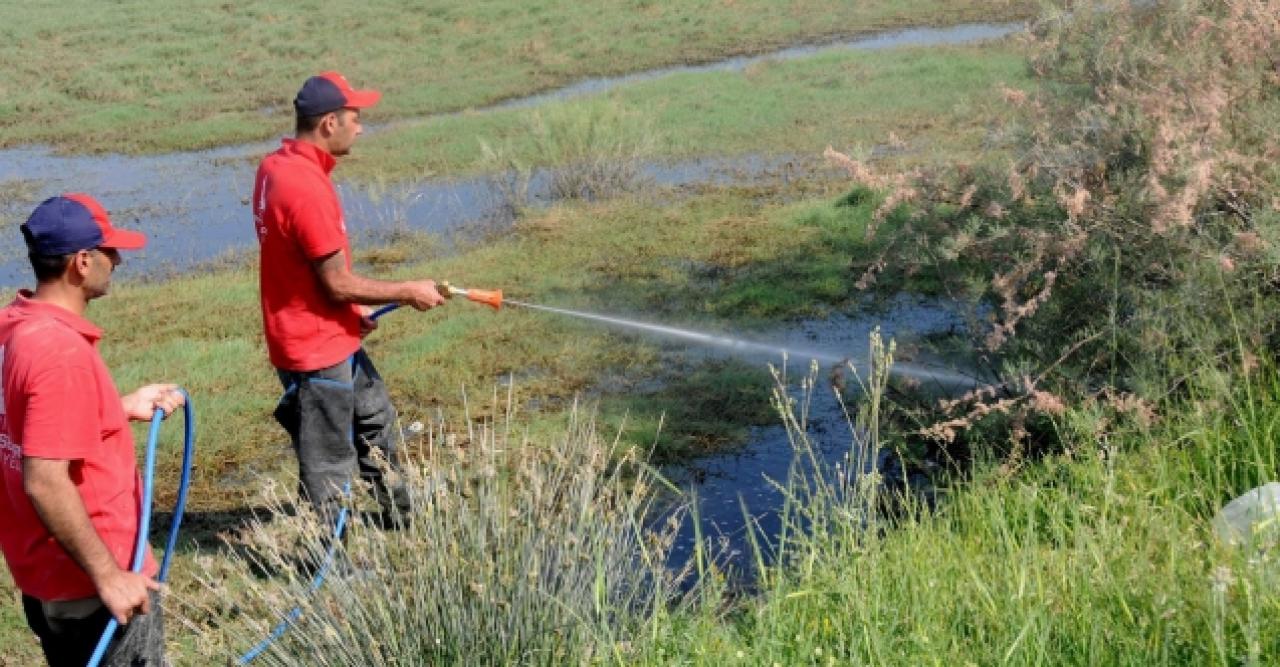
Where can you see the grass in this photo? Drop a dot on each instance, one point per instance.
(938, 101)
(17, 198)
(154, 75)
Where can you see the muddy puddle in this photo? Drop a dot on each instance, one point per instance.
(194, 205)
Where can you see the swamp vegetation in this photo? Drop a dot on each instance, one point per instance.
(1113, 228)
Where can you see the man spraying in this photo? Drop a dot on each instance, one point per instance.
(69, 483)
(314, 307)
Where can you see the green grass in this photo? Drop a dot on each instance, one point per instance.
(154, 75)
(939, 102)
(547, 531)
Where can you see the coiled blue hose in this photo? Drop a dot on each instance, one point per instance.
(144, 511)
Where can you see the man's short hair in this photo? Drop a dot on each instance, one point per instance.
(49, 267)
(307, 124)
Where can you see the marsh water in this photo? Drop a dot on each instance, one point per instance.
(194, 205)
(738, 494)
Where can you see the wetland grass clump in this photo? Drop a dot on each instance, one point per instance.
(598, 151)
(590, 152)
(520, 552)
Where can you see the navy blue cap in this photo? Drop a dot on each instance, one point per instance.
(73, 222)
(329, 91)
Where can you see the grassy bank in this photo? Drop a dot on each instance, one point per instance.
(1102, 556)
(153, 75)
(1121, 260)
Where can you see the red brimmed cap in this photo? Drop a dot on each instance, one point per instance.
(329, 91)
(73, 222)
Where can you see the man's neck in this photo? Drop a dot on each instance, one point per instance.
(62, 295)
(314, 140)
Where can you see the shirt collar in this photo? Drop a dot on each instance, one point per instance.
(310, 151)
(29, 307)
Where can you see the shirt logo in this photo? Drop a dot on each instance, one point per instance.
(260, 209)
(10, 451)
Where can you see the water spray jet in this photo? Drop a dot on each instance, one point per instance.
(495, 300)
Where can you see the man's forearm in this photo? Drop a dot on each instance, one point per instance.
(48, 484)
(353, 288)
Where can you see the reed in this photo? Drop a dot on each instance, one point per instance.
(522, 551)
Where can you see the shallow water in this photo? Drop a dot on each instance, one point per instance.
(735, 490)
(194, 205)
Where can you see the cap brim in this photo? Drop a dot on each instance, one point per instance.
(362, 99)
(123, 239)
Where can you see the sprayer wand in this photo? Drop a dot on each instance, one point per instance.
(489, 297)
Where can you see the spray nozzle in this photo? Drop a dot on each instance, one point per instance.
(491, 298)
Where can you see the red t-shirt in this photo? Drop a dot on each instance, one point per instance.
(60, 403)
(298, 219)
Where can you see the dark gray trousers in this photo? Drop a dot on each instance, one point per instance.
(337, 417)
(69, 632)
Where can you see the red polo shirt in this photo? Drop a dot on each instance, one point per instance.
(60, 403)
(298, 219)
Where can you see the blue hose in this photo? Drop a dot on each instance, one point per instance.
(316, 581)
(144, 511)
(383, 310)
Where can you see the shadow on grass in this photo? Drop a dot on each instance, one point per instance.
(202, 530)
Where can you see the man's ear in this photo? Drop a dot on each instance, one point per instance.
(329, 123)
(79, 265)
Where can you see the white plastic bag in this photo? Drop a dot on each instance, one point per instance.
(1251, 519)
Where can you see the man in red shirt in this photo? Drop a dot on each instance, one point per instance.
(314, 307)
(69, 484)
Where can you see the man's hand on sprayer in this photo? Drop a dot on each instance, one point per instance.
(125, 593)
(367, 323)
(423, 294)
(142, 404)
